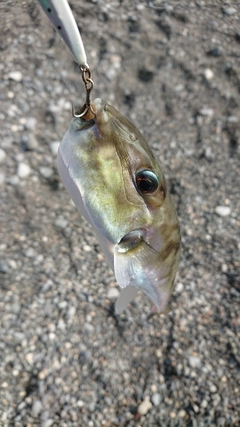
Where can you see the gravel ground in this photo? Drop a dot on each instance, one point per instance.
(65, 358)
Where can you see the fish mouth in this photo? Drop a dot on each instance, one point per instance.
(84, 124)
(101, 110)
(130, 241)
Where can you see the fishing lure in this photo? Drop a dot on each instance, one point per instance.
(117, 184)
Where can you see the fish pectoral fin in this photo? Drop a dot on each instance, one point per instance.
(126, 296)
(124, 269)
(134, 270)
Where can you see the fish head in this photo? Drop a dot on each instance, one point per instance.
(118, 185)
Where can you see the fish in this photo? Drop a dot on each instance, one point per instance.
(118, 186)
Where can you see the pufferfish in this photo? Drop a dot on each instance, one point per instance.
(118, 186)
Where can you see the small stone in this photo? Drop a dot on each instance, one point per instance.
(43, 374)
(232, 119)
(14, 180)
(88, 327)
(213, 388)
(172, 414)
(182, 413)
(54, 145)
(208, 153)
(16, 76)
(61, 222)
(30, 142)
(194, 361)
(23, 170)
(87, 248)
(156, 399)
(45, 171)
(204, 403)
(224, 268)
(29, 358)
(179, 88)
(62, 304)
(47, 423)
(208, 74)
(3, 155)
(223, 210)
(36, 408)
(30, 253)
(179, 287)
(196, 408)
(80, 404)
(30, 123)
(206, 111)
(112, 293)
(144, 406)
(229, 11)
(216, 399)
(216, 51)
(2, 178)
(3, 267)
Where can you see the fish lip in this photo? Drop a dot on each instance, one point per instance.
(130, 241)
(98, 105)
(83, 124)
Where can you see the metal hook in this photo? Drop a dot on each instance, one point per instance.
(87, 108)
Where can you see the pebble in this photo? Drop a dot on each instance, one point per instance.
(208, 153)
(30, 142)
(206, 111)
(182, 413)
(23, 170)
(232, 119)
(30, 123)
(3, 155)
(30, 253)
(16, 76)
(61, 222)
(2, 178)
(45, 171)
(3, 267)
(54, 145)
(112, 293)
(14, 180)
(194, 361)
(213, 388)
(208, 74)
(47, 423)
(223, 210)
(144, 406)
(216, 51)
(36, 408)
(156, 399)
(204, 403)
(172, 414)
(229, 10)
(179, 287)
(196, 408)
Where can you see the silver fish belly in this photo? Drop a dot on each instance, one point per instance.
(117, 184)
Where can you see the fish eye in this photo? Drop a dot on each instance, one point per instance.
(146, 181)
